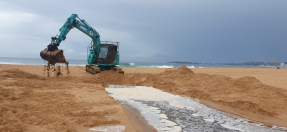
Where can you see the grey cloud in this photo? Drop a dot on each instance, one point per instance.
(162, 30)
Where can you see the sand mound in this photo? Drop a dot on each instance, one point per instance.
(196, 94)
(245, 93)
(180, 72)
(149, 81)
(184, 70)
(112, 77)
(16, 73)
(137, 78)
(249, 106)
(247, 80)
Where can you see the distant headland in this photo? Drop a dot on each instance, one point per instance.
(260, 63)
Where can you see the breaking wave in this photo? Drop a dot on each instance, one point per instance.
(190, 66)
(158, 66)
(132, 64)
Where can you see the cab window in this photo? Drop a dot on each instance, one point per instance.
(103, 52)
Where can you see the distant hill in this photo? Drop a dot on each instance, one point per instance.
(245, 63)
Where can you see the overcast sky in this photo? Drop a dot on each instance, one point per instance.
(151, 30)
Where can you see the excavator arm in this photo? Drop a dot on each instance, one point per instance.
(54, 55)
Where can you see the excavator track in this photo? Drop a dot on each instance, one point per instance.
(93, 69)
(119, 70)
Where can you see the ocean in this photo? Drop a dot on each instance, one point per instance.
(39, 61)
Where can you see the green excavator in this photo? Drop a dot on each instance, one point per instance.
(101, 55)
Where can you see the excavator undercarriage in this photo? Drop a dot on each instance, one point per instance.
(95, 69)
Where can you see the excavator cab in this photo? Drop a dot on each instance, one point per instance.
(107, 54)
(106, 59)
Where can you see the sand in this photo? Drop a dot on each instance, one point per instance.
(30, 101)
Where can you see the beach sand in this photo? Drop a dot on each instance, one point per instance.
(30, 101)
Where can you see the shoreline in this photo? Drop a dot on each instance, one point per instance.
(163, 66)
(139, 123)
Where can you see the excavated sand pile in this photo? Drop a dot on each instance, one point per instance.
(30, 101)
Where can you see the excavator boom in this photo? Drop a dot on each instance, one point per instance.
(54, 55)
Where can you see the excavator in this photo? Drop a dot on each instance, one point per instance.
(101, 55)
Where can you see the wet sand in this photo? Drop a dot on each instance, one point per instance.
(139, 123)
(34, 102)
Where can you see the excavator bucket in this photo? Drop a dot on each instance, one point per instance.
(53, 57)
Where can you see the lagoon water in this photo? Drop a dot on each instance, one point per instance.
(172, 113)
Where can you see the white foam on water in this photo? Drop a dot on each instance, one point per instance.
(132, 64)
(158, 66)
(163, 116)
(165, 66)
(15, 63)
(193, 67)
(151, 114)
(155, 109)
(108, 128)
(210, 120)
(190, 108)
(132, 95)
(175, 104)
(168, 123)
(190, 67)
